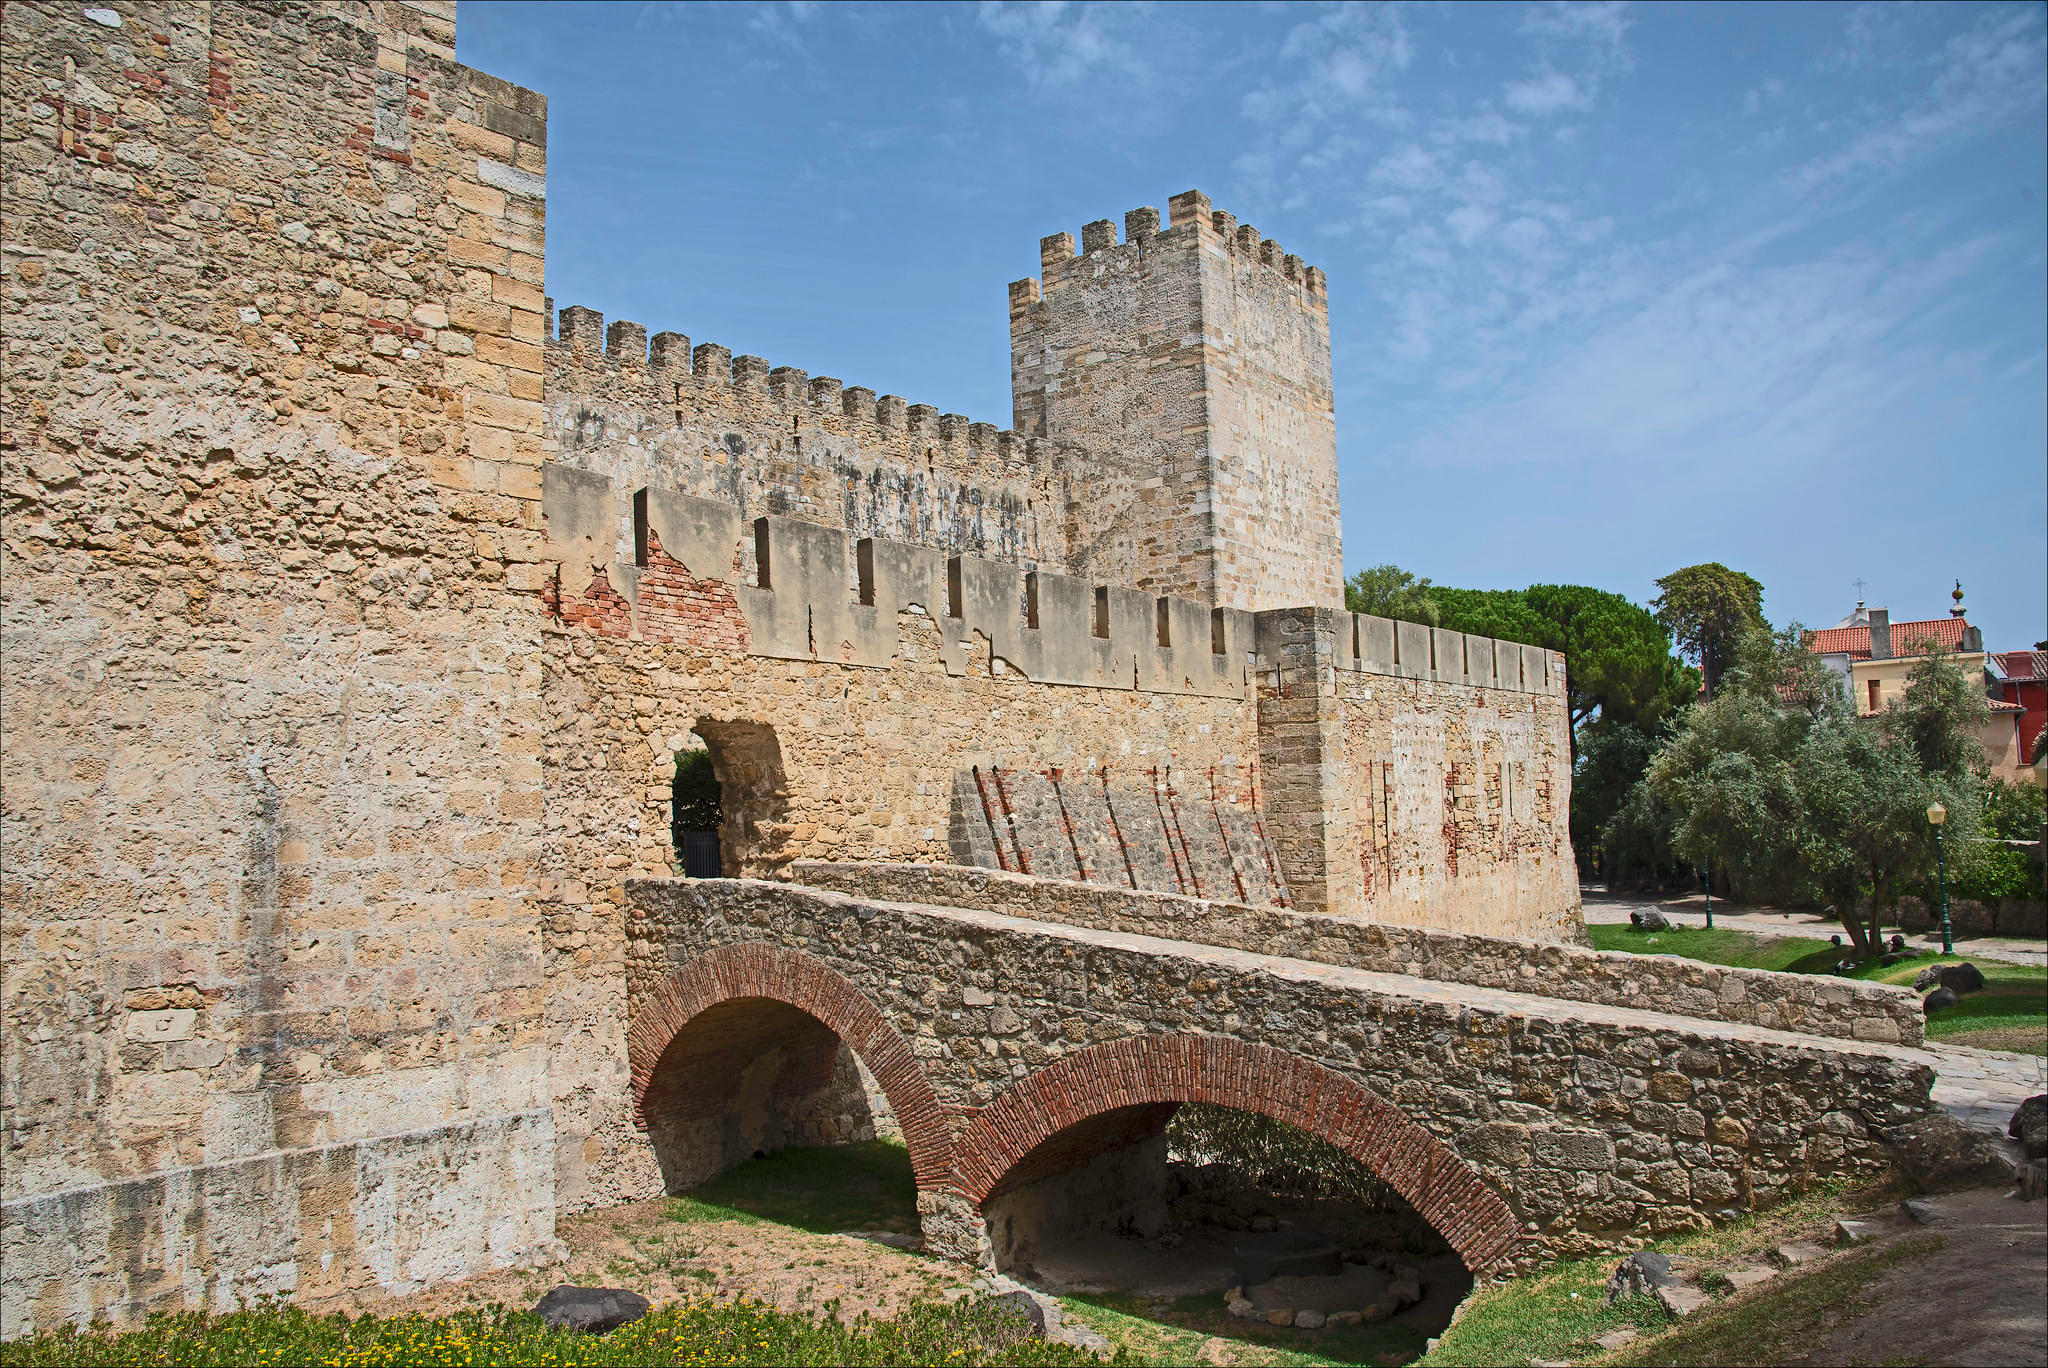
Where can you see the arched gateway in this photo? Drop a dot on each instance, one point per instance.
(1124, 1088)
(731, 1003)
(695, 1036)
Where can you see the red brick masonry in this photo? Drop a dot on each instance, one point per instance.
(766, 971)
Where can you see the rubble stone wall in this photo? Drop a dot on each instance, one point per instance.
(1591, 1128)
(1810, 1004)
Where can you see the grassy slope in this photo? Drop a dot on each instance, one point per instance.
(2010, 1014)
(1555, 1315)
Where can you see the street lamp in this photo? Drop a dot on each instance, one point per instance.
(1936, 815)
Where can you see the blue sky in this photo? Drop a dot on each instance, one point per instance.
(1613, 289)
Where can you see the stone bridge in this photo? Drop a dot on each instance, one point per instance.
(1032, 1038)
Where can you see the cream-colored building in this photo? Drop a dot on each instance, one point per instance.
(1874, 657)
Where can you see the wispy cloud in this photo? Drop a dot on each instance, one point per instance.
(1054, 43)
(1984, 78)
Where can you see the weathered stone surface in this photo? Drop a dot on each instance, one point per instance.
(2029, 1126)
(592, 1310)
(1941, 1154)
(1938, 999)
(1637, 1275)
(1680, 1300)
(1962, 979)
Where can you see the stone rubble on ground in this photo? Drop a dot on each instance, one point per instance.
(1797, 1252)
(593, 1310)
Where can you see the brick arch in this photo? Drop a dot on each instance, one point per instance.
(1148, 1072)
(731, 973)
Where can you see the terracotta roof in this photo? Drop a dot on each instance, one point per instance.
(2021, 667)
(1999, 705)
(1945, 632)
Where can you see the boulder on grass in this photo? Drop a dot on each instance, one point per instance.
(1927, 978)
(1648, 919)
(593, 1310)
(1941, 1154)
(1962, 979)
(2029, 1126)
(1938, 999)
(1638, 1274)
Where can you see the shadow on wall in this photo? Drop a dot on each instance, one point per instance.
(747, 1077)
(753, 796)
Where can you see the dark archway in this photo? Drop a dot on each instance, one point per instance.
(1096, 1112)
(753, 795)
(749, 1047)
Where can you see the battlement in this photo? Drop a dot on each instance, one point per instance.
(1193, 222)
(1412, 650)
(805, 593)
(622, 350)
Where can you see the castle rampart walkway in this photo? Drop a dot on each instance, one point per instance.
(1587, 1122)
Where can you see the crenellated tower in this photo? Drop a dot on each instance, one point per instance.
(1195, 360)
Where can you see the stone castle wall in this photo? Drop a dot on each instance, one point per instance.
(354, 619)
(775, 441)
(272, 740)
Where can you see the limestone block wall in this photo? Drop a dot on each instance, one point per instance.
(1194, 362)
(397, 1213)
(1655, 983)
(1591, 1128)
(1414, 775)
(269, 505)
(773, 440)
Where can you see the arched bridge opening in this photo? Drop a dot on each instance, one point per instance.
(751, 1049)
(1180, 1166)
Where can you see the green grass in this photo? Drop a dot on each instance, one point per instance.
(694, 1333)
(1555, 1314)
(2011, 1013)
(824, 1189)
(1784, 1317)
(1741, 949)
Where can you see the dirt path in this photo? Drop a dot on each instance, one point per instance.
(1976, 1301)
(643, 1247)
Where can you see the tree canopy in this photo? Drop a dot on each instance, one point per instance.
(1778, 785)
(1388, 591)
(1618, 657)
(1709, 610)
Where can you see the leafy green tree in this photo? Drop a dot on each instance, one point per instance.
(1940, 716)
(1612, 757)
(1863, 821)
(1725, 777)
(1709, 610)
(1388, 591)
(1776, 782)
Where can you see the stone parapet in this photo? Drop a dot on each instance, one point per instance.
(1809, 1004)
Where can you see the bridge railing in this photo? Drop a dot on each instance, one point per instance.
(1654, 983)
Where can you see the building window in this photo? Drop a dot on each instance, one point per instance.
(1873, 695)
